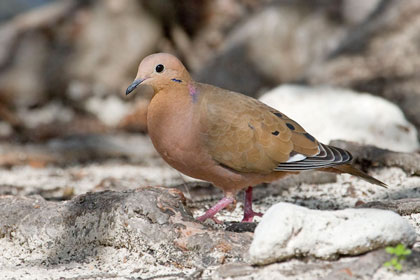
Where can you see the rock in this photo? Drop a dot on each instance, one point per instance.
(272, 46)
(405, 206)
(53, 112)
(363, 267)
(147, 225)
(287, 231)
(22, 83)
(26, 52)
(273, 42)
(106, 63)
(82, 148)
(333, 113)
(371, 266)
(233, 270)
(356, 11)
(371, 155)
(110, 110)
(29, 20)
(5, 129)
(68, 50)
(380, 56)
(10, 8)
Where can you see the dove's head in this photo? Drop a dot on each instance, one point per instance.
(160, 70)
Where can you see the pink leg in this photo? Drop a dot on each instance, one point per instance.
(249, 214)
(223, 203)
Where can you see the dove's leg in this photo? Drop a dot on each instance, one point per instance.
(249, 214)
(223, 203)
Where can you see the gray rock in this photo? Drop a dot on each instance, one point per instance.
(287, 231)
(26, 52)
(380, 56)
(272, 46)
(371, 155)
(406, 206)
(365, 266)
(235, 270)
(149, 223)
(106, 63)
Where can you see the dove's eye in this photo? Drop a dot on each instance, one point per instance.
(159, 68)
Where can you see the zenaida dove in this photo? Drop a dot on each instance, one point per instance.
(229, 139)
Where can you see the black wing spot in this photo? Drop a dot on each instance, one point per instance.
(250, 126)
(291, 126)
(310, 137)
(275, 133)
(280, 115)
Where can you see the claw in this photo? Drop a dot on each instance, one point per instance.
(249, 217)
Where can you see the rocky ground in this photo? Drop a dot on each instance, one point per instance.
(83, 194)
(130, 216)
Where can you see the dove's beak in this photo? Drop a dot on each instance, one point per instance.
(133, 86)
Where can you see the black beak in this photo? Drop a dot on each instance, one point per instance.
(133, 86)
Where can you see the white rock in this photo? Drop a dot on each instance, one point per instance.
(50, 113)
(333, 113)
(288, 230)
(109, 110)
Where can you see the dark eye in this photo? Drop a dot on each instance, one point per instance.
(159, 68)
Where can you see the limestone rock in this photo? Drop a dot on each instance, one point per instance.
(288, 230)
(104, 61)
(272, 46)
(148, 225)
(379, 55)
(333, 113)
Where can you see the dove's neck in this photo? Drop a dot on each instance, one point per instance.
(172, 115)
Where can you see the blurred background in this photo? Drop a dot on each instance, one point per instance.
(65, 64)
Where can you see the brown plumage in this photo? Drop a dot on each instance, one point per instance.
(224, 137)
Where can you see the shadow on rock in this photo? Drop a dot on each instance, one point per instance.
(150, 224)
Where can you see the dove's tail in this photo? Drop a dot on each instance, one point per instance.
(347, 168)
